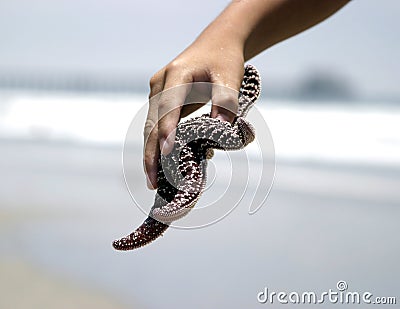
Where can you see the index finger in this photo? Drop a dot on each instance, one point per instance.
(150, 132)
(169, 109)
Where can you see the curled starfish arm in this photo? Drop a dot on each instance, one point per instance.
(216, 134)
(150, 230)
(211, 133)
(190, 190)
(250, 90)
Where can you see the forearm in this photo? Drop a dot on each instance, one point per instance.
(244, 29)
(256, 25)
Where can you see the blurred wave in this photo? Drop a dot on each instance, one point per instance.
(337, 131)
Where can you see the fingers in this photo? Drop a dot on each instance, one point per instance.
(169, 91)
(150, 133)
(225, 97)
(177, 86)
(151, 149)
(151, 154)
(167, 96)
(224, 103)
(199, 95)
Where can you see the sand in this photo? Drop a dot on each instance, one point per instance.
(24, 286)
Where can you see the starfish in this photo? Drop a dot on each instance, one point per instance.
(181, 175)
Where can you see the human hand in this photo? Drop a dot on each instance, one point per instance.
(240, 32)
(218, 60)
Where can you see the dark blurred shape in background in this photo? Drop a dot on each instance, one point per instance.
(325, 86)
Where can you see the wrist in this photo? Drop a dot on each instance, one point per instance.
(223, 36)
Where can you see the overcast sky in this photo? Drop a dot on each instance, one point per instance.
(360, 43)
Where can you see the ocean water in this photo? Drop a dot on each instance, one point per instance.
(341, 131)
(332, 213)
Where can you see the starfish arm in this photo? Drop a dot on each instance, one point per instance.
(181, 175)
(185, 199)
(150, 230)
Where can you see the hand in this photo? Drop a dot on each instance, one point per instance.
(240, 32)
(209, 59)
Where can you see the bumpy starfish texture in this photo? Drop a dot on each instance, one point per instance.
(181, 175)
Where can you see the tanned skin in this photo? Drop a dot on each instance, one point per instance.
(243, 30)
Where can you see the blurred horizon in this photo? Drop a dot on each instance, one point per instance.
(115, 46)
(318, 86)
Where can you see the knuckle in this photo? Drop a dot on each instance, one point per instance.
(154, 80)
(155, 83)
(173, 66)
(166, 131)
(163, 133)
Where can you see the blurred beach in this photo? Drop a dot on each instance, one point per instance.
(332, 213)
(73, 75)
(26, 286)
